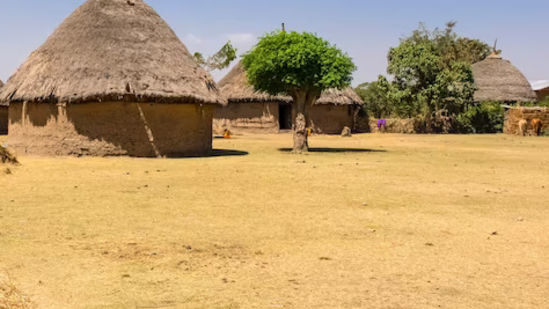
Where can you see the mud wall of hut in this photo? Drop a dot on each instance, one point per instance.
(3, 120)
(246, 118)
(514, 115)
(111, 128)
(331, 119)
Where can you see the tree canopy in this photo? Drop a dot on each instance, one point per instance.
(376, 100)
(218, 61)
(300, 65)
(292, 62)
(431, 71)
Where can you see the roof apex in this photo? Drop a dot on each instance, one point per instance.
(117, 50)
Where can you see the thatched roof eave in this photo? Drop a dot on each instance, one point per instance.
(236, 88)
(280, 100)
(337, 97)
(128, 98)
(2, 103)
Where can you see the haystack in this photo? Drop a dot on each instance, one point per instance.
(113, 79)
(253, 111)
(496, 79)
(514, 115)
(3, 114)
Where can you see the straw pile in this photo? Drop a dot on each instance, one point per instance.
(515, 115)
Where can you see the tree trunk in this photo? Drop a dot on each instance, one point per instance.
(300, 115)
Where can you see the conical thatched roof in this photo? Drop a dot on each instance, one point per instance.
(112, 50)
(236, 88)
(2, 103)
(346, 96)
(497, 79)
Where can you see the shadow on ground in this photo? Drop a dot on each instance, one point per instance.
(336, 150)
(228, 153)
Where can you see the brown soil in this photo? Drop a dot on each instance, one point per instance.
(372, 221)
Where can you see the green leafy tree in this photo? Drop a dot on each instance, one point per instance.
(300, 65)
(450, 45)
(432, 72)
(375, 97)
(218, 61)
(487, 117)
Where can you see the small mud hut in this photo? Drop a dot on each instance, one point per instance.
(335, 110)
(113, 79)
(249, 110)
(496, 79)
(3, 115)
(252, 111)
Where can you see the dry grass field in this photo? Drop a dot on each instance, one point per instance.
(374, 221)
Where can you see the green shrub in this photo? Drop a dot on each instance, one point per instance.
(487, 117)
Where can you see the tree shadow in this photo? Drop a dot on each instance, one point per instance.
(228, 153)
(336, 150)
(215, 153)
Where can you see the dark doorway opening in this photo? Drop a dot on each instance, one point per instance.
(285, 116)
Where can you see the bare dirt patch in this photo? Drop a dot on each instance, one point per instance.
(417, 222)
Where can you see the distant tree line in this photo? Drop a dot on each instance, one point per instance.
(432, 80)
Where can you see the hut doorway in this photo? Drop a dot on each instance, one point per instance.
(285, 116)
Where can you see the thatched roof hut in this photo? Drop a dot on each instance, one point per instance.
(106, 53)
(112, 50)
(3, 114)
(497, 79)
(2, 103)
(346, 96)
(272, 113)
(236, 89)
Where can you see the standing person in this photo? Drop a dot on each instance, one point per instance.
(381, 124)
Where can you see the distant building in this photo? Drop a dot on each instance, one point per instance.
(496, 79)
(541, 88)
(3, 115)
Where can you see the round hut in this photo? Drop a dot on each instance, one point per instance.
(252, 111)
(335, 110)
(3, 115)
(113, 79)
(249, 110)
(496, 79)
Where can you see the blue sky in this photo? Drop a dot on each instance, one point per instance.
(365, 29)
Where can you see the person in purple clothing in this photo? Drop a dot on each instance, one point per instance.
(381, 123)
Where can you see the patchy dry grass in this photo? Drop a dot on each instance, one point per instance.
(398, 222)
(11, 297)
(6, 156)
